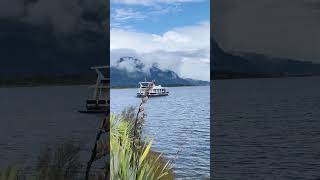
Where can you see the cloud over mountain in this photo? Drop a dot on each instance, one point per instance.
(128, 71)
(185, 50)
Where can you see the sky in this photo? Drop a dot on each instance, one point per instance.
(175, 34)
(280, 28)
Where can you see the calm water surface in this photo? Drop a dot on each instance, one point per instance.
(266, 128)
(178, 122)
(33, 117)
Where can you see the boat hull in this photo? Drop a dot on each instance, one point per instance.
(93, 111)
(153, 95)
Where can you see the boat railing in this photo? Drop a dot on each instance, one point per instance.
(99, 87)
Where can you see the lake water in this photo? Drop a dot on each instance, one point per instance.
(178, 122)
(266, 128)
(33, 117)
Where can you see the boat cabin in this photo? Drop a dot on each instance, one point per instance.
(156, 90)
(98, 96)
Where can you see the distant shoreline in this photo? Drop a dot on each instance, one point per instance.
(90, 81)
(74, 81)
(133, 87)
(41, 85)
(46, 81)
(18, 85)
(230, 77)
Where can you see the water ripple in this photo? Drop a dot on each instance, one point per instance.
(179, 121)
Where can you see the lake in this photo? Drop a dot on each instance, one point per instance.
(33, 117)
(180, 123)
(266, 128)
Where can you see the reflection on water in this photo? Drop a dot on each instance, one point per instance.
(180, 121)
(33, 117)
(267, 128)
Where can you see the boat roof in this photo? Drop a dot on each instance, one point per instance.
(103, 71)
(143, 84)
(100, 67)
(146, 82)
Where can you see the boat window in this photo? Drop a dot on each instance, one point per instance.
(144, 84)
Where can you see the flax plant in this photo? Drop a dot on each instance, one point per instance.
(125, 161)
(129, 158)
(140, 117)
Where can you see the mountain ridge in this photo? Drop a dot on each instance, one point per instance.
(226, 65)
(123, 75)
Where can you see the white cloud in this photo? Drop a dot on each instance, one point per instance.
(188, 38)
(151, 2)
(120, 17)
(124, 14)
(185, 50)
(130, 10)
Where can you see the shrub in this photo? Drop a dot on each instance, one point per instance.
(9, 173)
(62, 163)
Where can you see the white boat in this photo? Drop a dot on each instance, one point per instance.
(156, 90)
(98, 98)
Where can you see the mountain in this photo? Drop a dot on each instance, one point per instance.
(128, 71)
(252, 65)
(33, 54)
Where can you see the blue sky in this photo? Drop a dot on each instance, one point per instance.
(175, 34)
(158, 17)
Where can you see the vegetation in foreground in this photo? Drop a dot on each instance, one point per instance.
(130, 155)
(129, 162)
(61, 163)
(126, 161)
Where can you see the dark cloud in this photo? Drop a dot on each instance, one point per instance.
(52, 37)
(11, 8)
(283, 28)
(64, 16)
